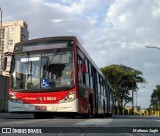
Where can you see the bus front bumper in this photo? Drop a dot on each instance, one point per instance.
(59, 107)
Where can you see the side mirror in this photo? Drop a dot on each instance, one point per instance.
(83, 68)
(4, 63)
(7, 62)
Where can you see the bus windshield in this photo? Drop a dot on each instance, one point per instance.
(47, 70)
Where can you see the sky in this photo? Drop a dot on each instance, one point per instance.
(112, 31)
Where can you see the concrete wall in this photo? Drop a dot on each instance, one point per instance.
(3, 93)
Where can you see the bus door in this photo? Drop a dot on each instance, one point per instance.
(82, 89)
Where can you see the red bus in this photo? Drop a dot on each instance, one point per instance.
(53, 76)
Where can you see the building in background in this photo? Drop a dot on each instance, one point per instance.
(12, 33)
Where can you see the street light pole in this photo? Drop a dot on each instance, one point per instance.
(152, 47)
(132, 94)
(1, 40)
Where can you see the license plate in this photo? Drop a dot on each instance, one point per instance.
(41, 108)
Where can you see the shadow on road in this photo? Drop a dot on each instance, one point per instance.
(31, 116)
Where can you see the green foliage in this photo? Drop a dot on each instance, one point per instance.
(123, 79)
(155, 98)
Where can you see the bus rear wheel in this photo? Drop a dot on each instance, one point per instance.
(90, 111)
(104, 112)
(89, 114)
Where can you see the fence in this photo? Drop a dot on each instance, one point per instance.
(140, 112)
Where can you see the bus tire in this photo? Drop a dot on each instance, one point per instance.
(89, 114)
(110, 115)
(104, 114)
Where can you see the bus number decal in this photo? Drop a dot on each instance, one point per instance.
(49, 98)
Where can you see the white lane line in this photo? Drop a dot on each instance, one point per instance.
(157, 120)
(94, 122)
(20, 122)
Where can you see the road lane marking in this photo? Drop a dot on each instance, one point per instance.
(156, 120)
(10, 123)
(94, 122)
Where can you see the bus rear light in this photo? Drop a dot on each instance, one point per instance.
(13, 98)
(69, 97)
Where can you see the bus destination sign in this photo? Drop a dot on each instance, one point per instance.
(40, 46)
(44, 46)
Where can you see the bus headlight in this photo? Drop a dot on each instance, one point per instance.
(69, 97)
(13, 98)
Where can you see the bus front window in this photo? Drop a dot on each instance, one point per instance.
(43, 71)
(57, 70)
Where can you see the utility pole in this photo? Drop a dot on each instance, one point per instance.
(132, 94)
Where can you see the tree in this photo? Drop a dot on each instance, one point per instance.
(123, 80)
(155, 98)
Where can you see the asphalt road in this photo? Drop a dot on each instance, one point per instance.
(59, 126)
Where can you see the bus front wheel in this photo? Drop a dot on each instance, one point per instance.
(104, 111)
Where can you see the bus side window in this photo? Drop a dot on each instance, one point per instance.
(101, 90)
(94, 77)
(87, 73)
(80, 74)
(104, 88)
(84, 74)
(90, 75)
(98, 82)
(89, 82)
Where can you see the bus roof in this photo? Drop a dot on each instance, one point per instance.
(46, 39)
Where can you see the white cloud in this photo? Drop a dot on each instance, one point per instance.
(57, 20)
(114, 31)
